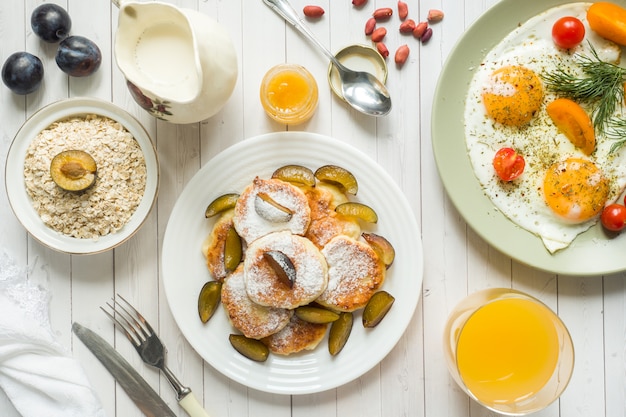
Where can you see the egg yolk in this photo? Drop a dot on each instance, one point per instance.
(575, 189)
(513, 95)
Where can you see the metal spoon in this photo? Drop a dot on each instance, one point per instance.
(361, 90)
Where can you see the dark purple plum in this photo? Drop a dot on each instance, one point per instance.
(22, 72)
(51, 22)
(78, 56)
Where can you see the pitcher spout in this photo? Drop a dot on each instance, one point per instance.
(157, 49)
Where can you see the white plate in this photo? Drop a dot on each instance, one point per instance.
(20, 200)
(184, 270)
(593, 252)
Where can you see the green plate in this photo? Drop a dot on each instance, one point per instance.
(593, 252)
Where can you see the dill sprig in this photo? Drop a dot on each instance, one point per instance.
(617, 131)
(602, 87)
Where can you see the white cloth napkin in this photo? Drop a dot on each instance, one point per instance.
(36, 372)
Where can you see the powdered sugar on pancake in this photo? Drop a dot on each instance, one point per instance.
(298, 335)
(265, 288)
(251, 319)
(251, 225)
(354, 274)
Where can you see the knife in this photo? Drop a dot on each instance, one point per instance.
(142, 394)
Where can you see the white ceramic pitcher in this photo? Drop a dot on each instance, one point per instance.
(180, 65)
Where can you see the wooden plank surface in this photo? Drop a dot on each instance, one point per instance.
(412, 380)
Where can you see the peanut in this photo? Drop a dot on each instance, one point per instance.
(403, 10)
(402, 53)
(407, 26)
(370, 25)
(358, 3)
(379, 34)
(382, 49)
(313, 11)
(427, 35)
(382, 13)
(435, 15)
(419, 30)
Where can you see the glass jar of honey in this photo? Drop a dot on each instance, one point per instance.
(289, 94)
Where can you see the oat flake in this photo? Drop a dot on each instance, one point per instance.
(120, 184)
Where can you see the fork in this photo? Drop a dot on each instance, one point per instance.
(151, 350)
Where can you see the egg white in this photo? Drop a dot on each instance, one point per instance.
(540, 142)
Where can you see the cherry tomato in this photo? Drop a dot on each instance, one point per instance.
(568, 32)
(508, 164)
(613, 217)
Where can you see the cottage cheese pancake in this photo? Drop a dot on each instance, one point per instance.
(354, 274)
(251, 225)
(265, 288)
(326, 223)
(297, 336)
(213, 246)
(251, 319)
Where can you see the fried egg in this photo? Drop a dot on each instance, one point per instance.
(562, 190)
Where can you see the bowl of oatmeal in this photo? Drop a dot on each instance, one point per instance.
(107, 213)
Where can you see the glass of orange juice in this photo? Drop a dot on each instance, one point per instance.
(508, 351)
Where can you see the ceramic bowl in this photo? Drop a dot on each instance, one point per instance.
(22, 204)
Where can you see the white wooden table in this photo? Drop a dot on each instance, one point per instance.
(413, 379)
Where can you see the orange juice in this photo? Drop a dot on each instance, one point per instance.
(508, 350)
(289, 93)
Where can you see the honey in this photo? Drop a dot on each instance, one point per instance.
(289, 94)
